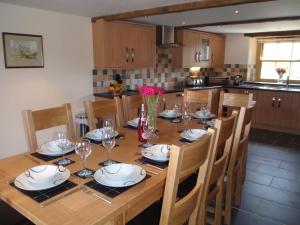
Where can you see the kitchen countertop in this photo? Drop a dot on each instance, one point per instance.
(134, 92)
(295, 88)
(267, 87)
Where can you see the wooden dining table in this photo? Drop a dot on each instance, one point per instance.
(82, 207)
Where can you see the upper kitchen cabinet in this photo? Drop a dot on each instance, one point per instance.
(198, 49)
(217, 50)
(123, 45)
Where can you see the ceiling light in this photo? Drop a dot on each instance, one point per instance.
(183, 22)
(236, 11)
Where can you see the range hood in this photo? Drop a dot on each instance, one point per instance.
(165, 37)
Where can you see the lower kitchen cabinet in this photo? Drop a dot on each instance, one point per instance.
(275, 110)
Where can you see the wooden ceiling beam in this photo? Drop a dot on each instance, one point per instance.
(204, 4)
(287, 33)
(224, 23)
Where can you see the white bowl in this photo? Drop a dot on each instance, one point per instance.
(169, 113)
(42, 173)
(193, 134)
(134, 122)
(160, 152)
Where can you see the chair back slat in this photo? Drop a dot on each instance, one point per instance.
(197, 98)
(131, 106)
(192, 158)
(47, 118)
(183, 162)
(234, 100)
(104, 108)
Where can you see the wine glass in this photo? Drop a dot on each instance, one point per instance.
(63, 144)
(83, 149)
(108, 143)
(147, 134)
(108, 125)
(186, 117)
(176, 109)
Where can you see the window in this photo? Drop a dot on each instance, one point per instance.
(279, 54)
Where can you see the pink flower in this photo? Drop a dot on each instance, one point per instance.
(151, 90)
(280, 70)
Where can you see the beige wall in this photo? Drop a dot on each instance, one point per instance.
(237, 49)
(65, 78)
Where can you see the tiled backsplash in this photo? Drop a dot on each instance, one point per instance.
(164, 75)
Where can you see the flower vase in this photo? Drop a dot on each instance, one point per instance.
(280, 78)
(152, 105)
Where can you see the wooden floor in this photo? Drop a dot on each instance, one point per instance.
(271, 194)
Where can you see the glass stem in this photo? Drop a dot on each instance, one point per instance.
(83, 164)
(109, 154)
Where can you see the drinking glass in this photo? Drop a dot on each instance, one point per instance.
(108, 143)
(176, 109)
(186, 117)
(108, 125)
(63, 144)
(83, 149)
(148, 134)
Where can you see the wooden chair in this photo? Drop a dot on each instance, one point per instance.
(197, 98)
(184, 162)
(104, 108)
(237, 161)
(233, 101)
(131, 106)
(46, 118)
(215, 185)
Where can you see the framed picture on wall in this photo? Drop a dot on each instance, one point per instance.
(23, 50)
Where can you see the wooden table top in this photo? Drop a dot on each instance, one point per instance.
(81, 208)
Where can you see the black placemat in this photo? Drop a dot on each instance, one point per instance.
(130, 127)
(110, 191)
(184, 140)
(67, 164)
(168, 118)
(40, 196)
(102, 163)
(84, 177)
(144, 160)
(47, 157)
(100, 142)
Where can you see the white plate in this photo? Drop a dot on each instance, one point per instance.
(97, 134)
(23, 182)
(119, 175)
(51, 148)
(199, 115)
(41, 174)
(134, 122)
(169, 114)
(193, 134)
(160, 153)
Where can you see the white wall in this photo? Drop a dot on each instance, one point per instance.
(236, 49)
(65, 78)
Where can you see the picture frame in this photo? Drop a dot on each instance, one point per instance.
(23, 50)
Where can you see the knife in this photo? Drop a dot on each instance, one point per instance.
(164, 104)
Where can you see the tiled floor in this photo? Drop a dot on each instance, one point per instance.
(271, 193)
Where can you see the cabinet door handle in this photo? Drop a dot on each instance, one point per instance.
(273, 101)
(278, 102)
(196, 57)
(127, 54)
(199, 57)
(132, 55)
(246, 92)
(212, 57)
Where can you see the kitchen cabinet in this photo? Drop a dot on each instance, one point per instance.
(123, 45)
(198, 49)
(217, 50)
(275, 110)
